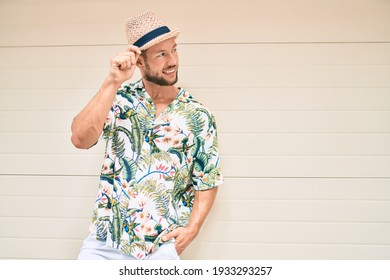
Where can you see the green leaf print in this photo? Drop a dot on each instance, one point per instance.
(146, 187)
(131, 211)
(108, 178)
(116, 225)
(209, 168)
(137, 134)
(181, 179)
(177, 152)
(198, 144)
(194, 120)
(101, 228)
(200, 162)
(161, 198)
(158, 194)
(213, 174)
(208, 115)
(149, 159)
(214, 147)
(135, 142)
(126, 95)
(137, 245)
(184, 218)
(129, 227)
(125, 112)
(117, 145)
(150, 238)
(128, 169)
(126, 247)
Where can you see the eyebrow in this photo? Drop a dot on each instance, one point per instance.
(162, 50)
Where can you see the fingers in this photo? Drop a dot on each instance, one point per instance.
(134, 49)
(170, 235)
(124, 60)
(127, 59)
(179, 249)
(181, 241)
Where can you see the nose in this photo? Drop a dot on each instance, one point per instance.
(172, 59)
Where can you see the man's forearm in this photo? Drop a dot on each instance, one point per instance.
(202, 204)
(88, 124)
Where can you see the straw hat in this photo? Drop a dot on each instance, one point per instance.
(147, 30)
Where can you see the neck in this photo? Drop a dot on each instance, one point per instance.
(160, 92)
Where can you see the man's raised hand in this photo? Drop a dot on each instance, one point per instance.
(123, 64)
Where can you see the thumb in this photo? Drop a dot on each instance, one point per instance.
(170, 235)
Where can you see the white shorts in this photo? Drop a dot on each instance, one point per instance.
(94, 249)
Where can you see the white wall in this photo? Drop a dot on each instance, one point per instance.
(301, 93)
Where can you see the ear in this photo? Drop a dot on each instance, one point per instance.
(140, 61)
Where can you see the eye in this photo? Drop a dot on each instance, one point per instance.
(174, 50)
(161, 54)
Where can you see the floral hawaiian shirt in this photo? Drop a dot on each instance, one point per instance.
(152, 167)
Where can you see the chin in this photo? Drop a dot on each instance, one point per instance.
(160, 80)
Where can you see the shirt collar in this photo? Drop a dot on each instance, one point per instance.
(183, 95)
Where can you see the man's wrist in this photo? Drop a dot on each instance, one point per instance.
(112, 82)
(193, 229)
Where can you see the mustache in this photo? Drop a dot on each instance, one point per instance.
(170, 67)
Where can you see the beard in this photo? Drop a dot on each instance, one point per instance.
(158, 80)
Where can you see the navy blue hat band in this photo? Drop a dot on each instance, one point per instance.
(151, 35)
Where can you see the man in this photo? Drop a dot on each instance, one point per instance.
(161, 168)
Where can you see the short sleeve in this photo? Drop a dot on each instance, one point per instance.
(206, 172)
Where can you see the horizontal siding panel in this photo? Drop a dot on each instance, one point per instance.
(260, 251)
(59, 207)
(304, 166)
(301, 211)
(303, 121)
(327, 76)
(193, 54)
(305, 144)
(296, 233)
(45, 100)
(219, 232)
(25, 121)
(255, 99)
(312, 99)
(232, 188)
(45, 228)
(232, 166)
(57, 186)
(230, 144)
(285, 54)
(286, 76)
(228, 122)
(39, 164)
(305, 189)
(73, 78)
(73, 22)
(27, 248)
(45, 143)
(224, 210)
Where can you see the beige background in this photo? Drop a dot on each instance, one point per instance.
(301, 93)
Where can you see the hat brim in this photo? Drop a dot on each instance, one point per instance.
(155, 41)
